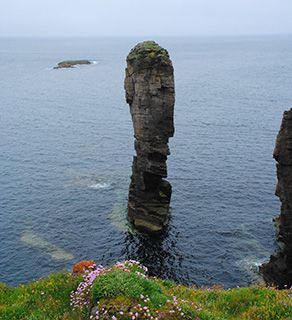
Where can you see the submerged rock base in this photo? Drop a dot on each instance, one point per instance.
(278, 271)
(149, 85)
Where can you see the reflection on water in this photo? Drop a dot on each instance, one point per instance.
(156, 252)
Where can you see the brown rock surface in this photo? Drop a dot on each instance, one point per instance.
(149, 85)
(84, 265)
(278, 270)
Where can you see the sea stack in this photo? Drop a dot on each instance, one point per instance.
(149, 86)
(278, 271)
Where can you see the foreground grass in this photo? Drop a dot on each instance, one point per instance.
(44, 299)
(127, 294)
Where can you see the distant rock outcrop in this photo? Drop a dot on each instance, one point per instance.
(149, 86)
(71, 63)
(278, 270)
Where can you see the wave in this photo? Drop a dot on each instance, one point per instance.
(93, 182)
(99, 185)
(251, 266)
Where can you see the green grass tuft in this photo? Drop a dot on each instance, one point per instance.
(119, 283)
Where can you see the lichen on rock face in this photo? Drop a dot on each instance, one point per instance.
(149, 86)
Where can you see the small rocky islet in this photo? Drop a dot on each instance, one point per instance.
(72, 63)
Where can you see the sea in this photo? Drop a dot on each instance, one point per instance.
(66, 150)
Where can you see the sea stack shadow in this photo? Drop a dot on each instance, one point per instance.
(149, 86)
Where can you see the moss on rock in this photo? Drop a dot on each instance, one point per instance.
(148, 53)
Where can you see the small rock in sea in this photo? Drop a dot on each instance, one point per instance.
(71, 63)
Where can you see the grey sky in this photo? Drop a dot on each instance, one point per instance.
(144, 17)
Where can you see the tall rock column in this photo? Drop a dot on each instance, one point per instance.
(278, 270)
(149, 86)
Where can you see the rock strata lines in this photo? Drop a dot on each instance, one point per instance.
(149, 86)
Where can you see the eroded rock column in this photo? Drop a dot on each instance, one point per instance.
(149, 86)
(278, 270)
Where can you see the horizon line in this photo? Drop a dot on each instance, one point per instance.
(149, 36)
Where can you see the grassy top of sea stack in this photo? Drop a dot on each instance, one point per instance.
(147, 54)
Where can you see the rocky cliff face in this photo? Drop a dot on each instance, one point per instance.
(149, 85)
(278, 270)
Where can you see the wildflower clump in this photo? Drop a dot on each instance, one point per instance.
(83, 297)
(124, 291)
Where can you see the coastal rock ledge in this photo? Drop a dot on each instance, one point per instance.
(278, 271)
(149, 86)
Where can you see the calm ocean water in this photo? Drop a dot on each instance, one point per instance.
(66, 147)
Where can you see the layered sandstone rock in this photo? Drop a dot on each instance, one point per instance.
(149, 85)
(278, 270)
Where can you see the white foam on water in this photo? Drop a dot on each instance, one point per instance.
(99, 185)
(251, 266)
(249, 263)
(94, 62)
(90, 182)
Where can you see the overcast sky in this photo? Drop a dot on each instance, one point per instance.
(144, 17)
